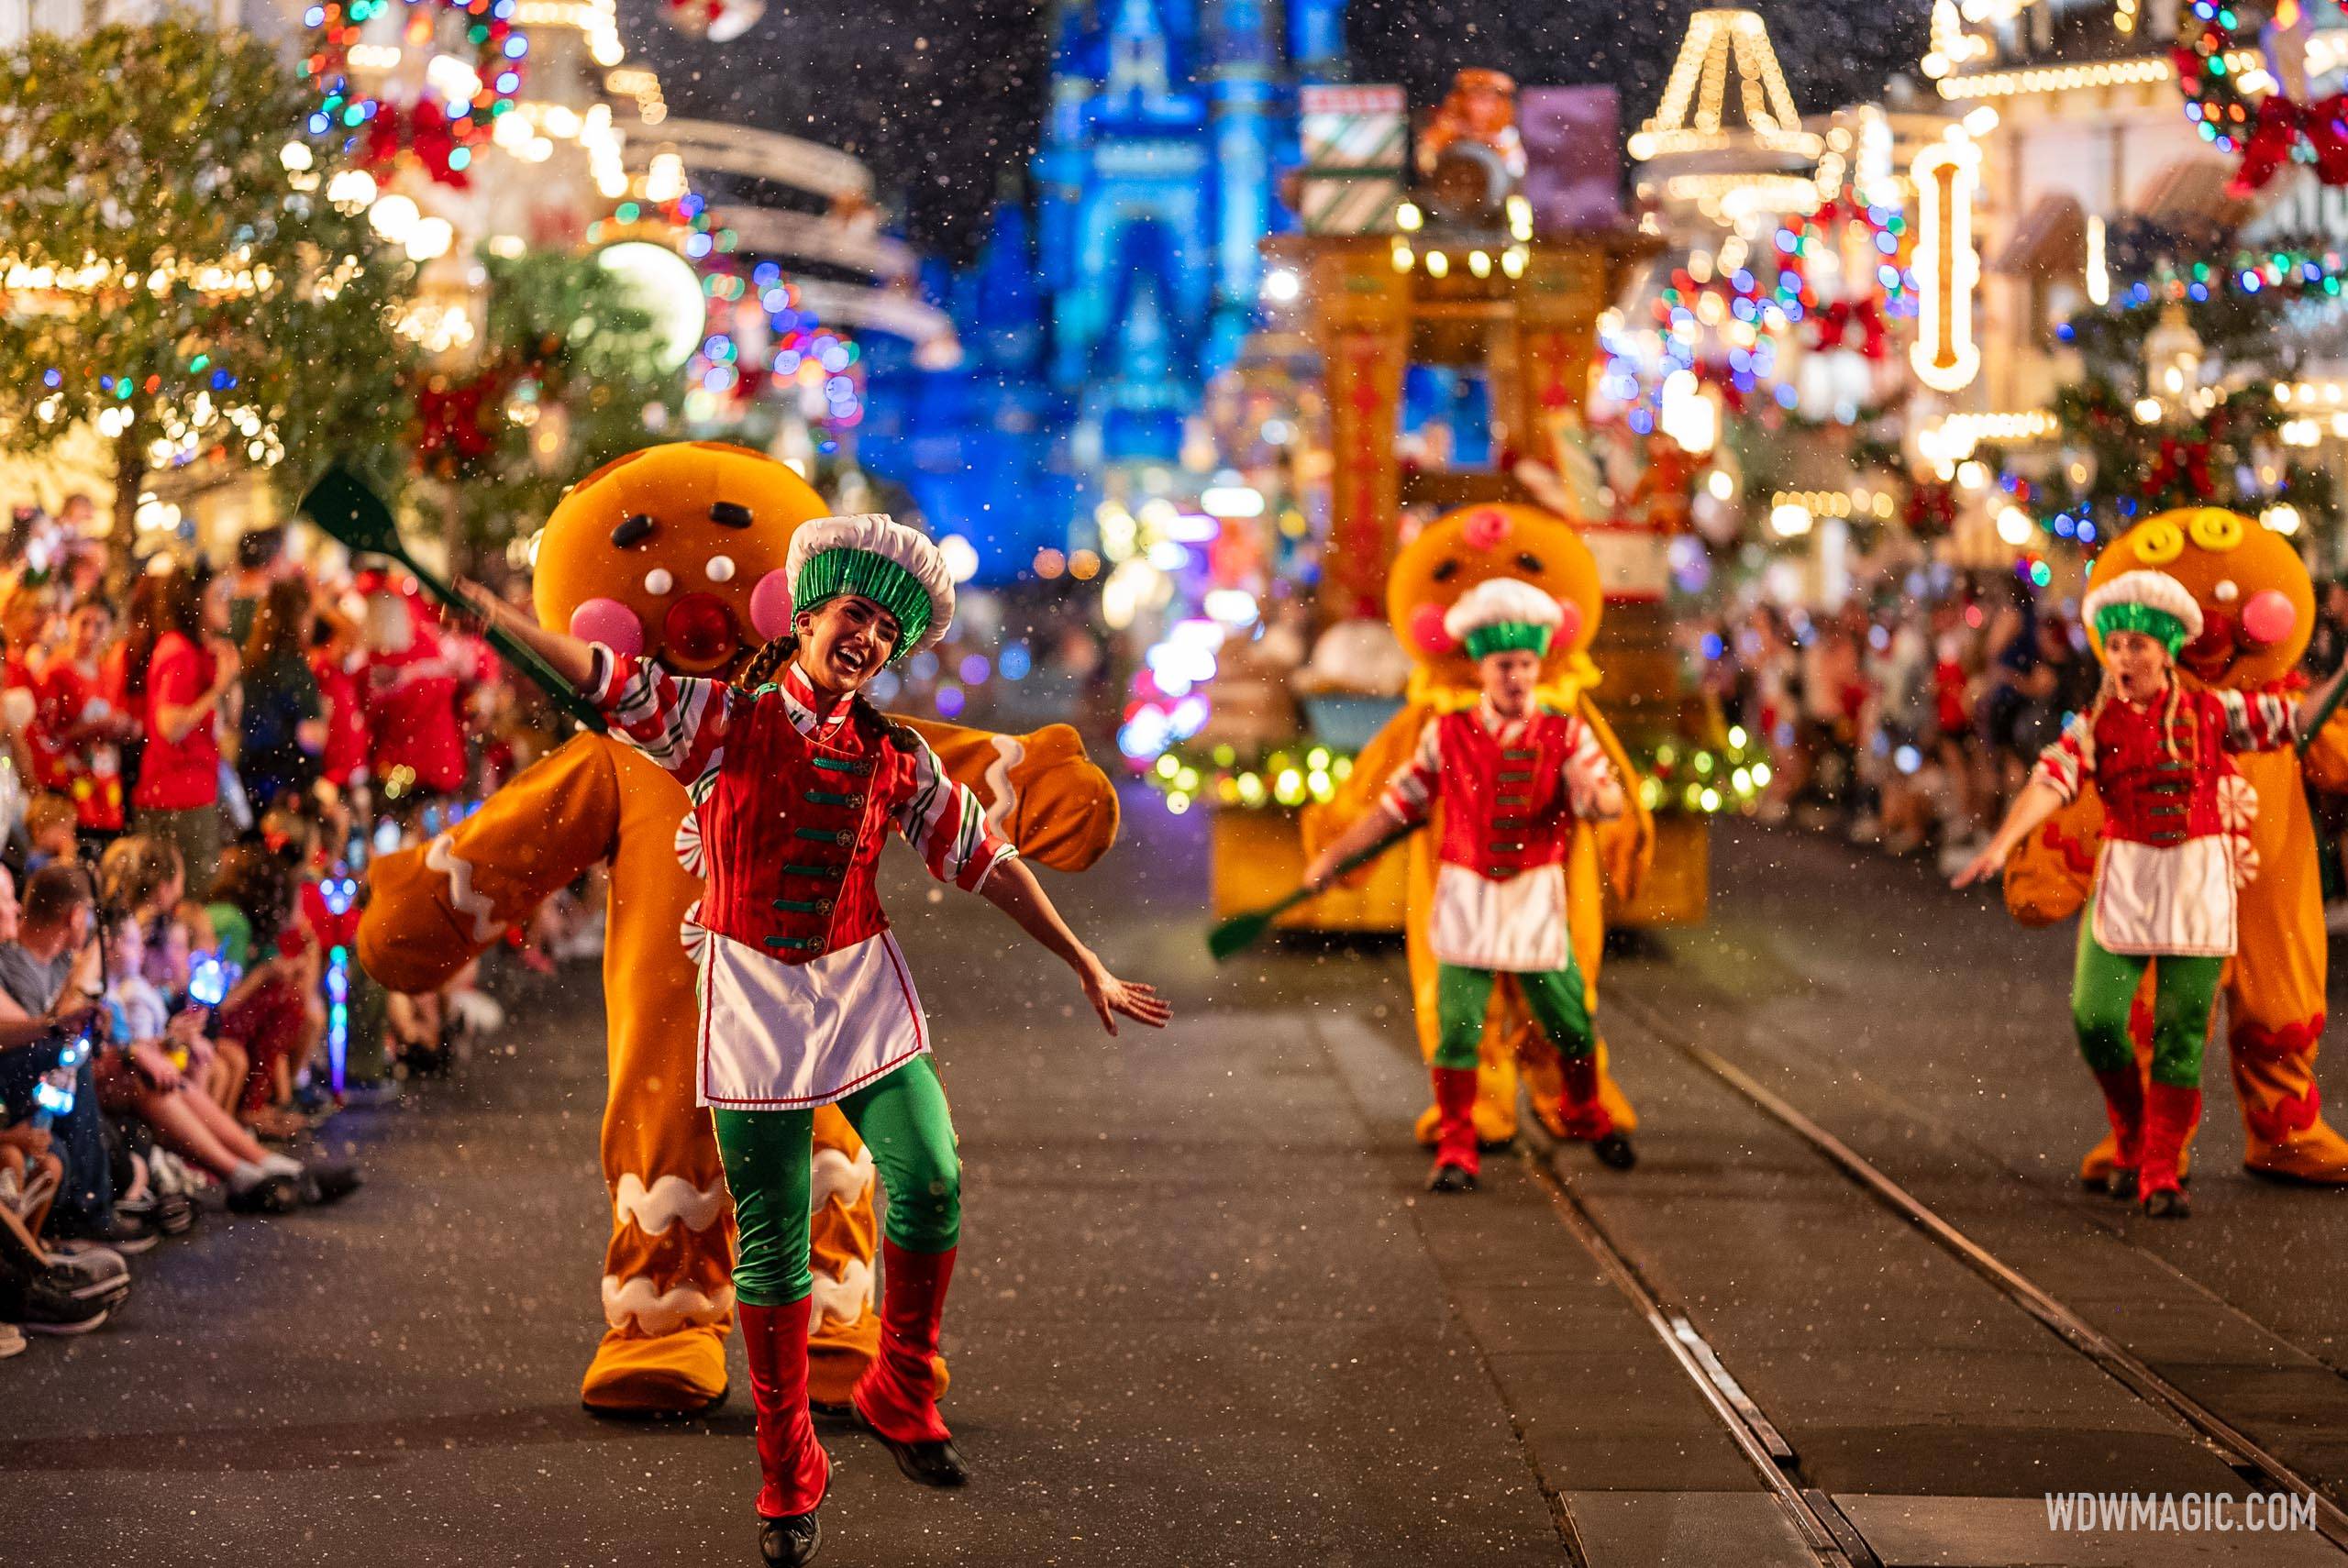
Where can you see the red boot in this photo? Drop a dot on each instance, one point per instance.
(1586, 1116)
(2170, 1116)
(792, 1467)
(2123, 1103)
(897, 1396)
(1457, 1161)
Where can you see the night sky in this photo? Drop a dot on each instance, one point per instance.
(942, 97)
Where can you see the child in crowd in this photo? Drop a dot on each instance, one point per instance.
(273, 1009)
(52, 826)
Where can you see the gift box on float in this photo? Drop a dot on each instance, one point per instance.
(1355, 141)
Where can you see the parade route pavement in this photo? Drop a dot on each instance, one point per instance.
(1206, 1315)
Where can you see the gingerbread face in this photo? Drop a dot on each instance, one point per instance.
(2257, 604)
(676, 552)
(1462, 548)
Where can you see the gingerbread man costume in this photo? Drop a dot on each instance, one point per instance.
(678, 552)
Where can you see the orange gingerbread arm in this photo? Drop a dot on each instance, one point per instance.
(1039, 790)
(2326, 759)
(1626, 844)
(431, 911)
(2049, 873)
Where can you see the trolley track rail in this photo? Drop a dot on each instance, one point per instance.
(1824, 1531)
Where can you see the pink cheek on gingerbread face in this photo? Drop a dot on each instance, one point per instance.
(1426, 631)
(610, 622)
(2268, 618)
(1569, 630)
(770, 605)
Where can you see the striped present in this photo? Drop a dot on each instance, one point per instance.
(1356, 142)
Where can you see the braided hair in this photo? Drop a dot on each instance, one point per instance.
(765, 666)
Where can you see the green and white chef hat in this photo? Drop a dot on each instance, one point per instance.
(874, 556)
(1503, 613)
(2145, 601)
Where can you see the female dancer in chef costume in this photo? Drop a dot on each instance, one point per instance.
(796, 782)
(2165, 881)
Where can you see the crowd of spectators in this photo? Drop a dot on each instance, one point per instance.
(1910, 718)
(198, 764)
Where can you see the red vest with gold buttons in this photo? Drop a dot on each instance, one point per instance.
(792, 829)
(2161, 791)
(1505, 808)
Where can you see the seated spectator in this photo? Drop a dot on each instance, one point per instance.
(272, 1009)
(40, 1071)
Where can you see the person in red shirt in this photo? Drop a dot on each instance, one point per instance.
(78, 723)
(177, 692)
(412, 691)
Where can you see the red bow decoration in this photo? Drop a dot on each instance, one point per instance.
(2179, 460)
(1836, 321)
(458, 420)
(421, 129)
(2283, 129)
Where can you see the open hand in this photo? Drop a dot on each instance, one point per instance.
(1985, 864)
(1111, 996)
(154, 1066)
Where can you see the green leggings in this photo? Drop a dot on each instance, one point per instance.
(769, 1154)
(1555, 997)
(2103, 988)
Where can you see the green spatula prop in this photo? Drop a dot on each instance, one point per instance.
(1244, 931)
(343, 505)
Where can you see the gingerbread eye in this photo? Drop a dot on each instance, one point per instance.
(2157, 544)
(2215, 530)
(1445, 572)
(1529, 561)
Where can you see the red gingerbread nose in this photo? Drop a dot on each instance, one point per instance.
(698, 633)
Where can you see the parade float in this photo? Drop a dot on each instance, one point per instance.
(1453, 301)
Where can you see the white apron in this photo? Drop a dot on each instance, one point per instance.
(778, 1036)
(2176, 899)
(1517, 927)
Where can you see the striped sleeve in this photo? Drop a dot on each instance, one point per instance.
(2261, 721)
(1589, 770)
(2066, 766)
(677, 722)
(947, 827)
(1411, 787)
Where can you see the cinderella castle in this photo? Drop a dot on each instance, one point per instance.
(1095, 313)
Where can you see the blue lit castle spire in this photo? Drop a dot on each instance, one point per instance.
(1166, 127)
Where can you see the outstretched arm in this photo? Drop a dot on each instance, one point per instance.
(1012, 888)
(571, 657)
(2037, 802)
(1364, 831)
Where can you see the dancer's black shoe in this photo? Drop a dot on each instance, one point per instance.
(789, 1542)
(1449, 1177)
(2168, 1204)
(934, 1463)
(1614, 1149)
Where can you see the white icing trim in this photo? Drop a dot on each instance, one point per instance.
(844, 1298)
(663, 1311)
(669, 1200)
(443, 857)
(835, 1175)
(1003, 795)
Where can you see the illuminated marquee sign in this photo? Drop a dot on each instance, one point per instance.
(1948, 269)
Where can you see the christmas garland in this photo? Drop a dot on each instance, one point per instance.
(438, 135)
